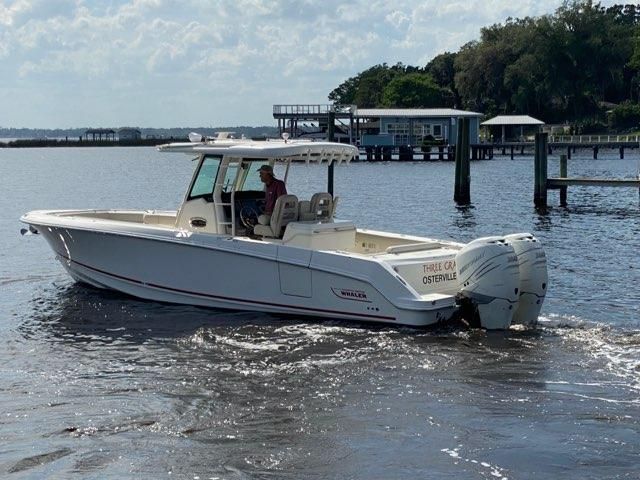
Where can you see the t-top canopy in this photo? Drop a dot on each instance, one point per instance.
(294, 150)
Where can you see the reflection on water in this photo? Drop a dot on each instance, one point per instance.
(465, 220)
(96, 384)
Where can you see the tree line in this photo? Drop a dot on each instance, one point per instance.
(146, 132)
(579, 65)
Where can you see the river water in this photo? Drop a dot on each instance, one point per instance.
(99, 385)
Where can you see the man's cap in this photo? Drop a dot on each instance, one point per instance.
(265, 168)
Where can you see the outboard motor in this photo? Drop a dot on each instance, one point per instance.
(532, 263)
(487, 269)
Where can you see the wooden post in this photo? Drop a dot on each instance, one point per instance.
(595, 152)
(458, 151)
(466, 185)
(540, 171)
(512, 147)
(563, 174)
(569, 152)
(621, 152)
(462, 191)
(441, 153)
(331, 124)
(402, 153)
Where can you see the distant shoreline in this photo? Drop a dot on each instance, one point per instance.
(54, 142)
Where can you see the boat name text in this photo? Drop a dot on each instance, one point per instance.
(447, 265)
(439, 277)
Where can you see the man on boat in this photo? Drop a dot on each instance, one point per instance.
(275, 189)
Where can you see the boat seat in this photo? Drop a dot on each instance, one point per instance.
(334, 206)
(304, 211)
(322, 206)
(284, 211)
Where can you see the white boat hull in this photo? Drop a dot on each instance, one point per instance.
(418, 282)
(180, 270)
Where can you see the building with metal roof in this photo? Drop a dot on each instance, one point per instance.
(414, 112)
(376, 126)
(509, 124)
(512, 120)
(412, 126)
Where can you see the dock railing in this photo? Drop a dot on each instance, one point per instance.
(594, 138)
(302, 109)
(313, 109)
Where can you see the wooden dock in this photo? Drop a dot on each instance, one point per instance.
(542, 182)
(553, 183)
(595, 143)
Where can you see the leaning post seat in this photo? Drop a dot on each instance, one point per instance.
(284, 211)
(322, 206)
(305, 214)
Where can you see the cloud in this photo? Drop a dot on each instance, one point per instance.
(231, 58)
(10, 13)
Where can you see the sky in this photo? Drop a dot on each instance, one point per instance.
(172, 63)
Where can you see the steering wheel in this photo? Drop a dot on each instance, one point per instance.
(248, 216)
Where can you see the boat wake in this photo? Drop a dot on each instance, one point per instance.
(609, 350)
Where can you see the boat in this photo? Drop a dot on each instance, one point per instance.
(305, 261)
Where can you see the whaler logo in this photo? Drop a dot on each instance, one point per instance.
(347, 294)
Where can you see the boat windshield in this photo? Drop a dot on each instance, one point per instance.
(205, 179)
(251, 180)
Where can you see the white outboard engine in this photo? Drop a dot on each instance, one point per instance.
(532, 264)
(487, 269)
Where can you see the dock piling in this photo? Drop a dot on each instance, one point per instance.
(563, 174)
(462, 192)
(540, 170)
(331, 123)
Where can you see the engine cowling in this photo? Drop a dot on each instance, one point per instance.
(532, 265)
(487, 269)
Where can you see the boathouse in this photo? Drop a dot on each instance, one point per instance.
(412, 126)
(129, 134)
(375, 126)
(511, 128)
